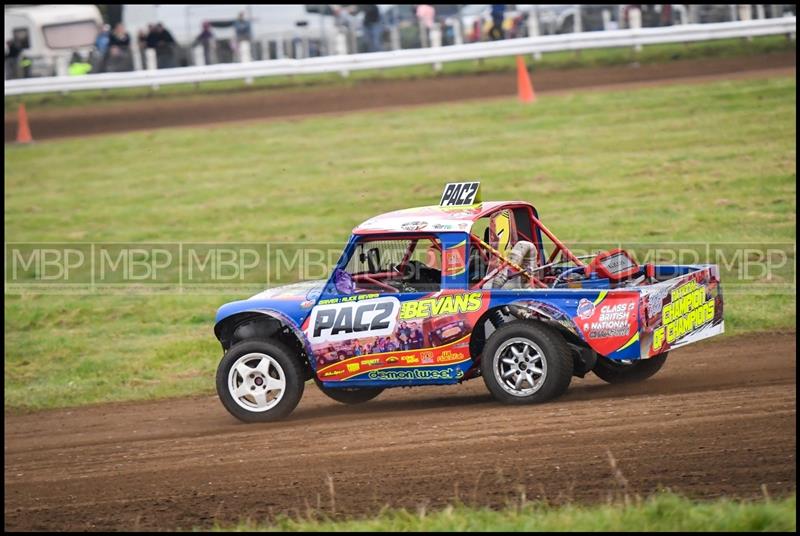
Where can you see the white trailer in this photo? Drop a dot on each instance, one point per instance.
(49, 34)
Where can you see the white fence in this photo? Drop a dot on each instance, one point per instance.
(399, 58)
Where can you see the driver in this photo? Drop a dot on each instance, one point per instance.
(523, 254)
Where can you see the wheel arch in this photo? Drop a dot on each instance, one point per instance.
(537, 311)
(265, 325)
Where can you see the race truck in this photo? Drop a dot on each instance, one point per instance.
(464, 289)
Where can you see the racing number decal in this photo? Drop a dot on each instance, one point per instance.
(460, 193)
(342, 321)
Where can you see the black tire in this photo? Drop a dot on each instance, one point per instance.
(350, 395)
(554, 352)
(290, 366)
(613, 372)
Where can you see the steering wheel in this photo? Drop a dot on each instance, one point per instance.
(406, 272)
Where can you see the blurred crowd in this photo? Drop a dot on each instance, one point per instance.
(113, 51)
(356, 28)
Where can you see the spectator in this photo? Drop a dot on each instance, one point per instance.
(372, 27)
(666, 14)
(205, 39)
(151, 41)
(426, 14)
(119, 38)
(101, 47)
(141, 38)
(77, 66)
(242, 27)
(346, 23)
(118, 56)
(165, 47)
(13, 52)
(498, 15)
(103, 38)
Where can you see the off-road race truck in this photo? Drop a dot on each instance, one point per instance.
(446, 293)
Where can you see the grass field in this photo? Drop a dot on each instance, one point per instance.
(652, 54)
(666, 512)
(713, 162)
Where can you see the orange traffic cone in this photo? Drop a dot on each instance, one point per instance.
(23, 129)
(524, 86)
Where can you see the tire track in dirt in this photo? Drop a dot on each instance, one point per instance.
(202, 110)
(719, 419)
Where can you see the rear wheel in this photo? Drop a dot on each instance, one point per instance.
(349, 395)
(526, 362)
(633, 371)
(259, 381)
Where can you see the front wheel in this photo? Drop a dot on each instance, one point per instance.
(259, 381)
(349, 395)
(526, 362)
(635, 371)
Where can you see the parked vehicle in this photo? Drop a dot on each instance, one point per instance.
(302, 30)
(49, 34)
(511, 304)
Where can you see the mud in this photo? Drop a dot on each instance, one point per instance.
(147, 114)
(719, 419)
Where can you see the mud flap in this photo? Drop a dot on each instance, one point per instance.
(584, 359)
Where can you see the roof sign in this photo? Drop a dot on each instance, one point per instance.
(460, 194)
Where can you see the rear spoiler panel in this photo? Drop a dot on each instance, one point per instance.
(681, 310)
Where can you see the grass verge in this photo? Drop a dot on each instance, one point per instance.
(712, 163)
(652, 54)
(663, 512)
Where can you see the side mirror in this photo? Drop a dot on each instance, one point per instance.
(343, 282)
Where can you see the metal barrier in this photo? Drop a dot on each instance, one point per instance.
(401, 58)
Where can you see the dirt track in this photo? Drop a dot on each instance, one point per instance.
(719, 419)
(264, 104)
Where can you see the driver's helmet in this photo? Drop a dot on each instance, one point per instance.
(501, 231)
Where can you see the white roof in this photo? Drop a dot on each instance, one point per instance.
(56, 13)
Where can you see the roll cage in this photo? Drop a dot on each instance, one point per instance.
(485, 258)
(526, 227)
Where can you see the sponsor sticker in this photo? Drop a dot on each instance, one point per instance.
(416, 374)
(349, 320)
(460, 193)
(611, 322)
(687, 311)
(585, 309)
(414, 225)
(449, 356)
(445, 305)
